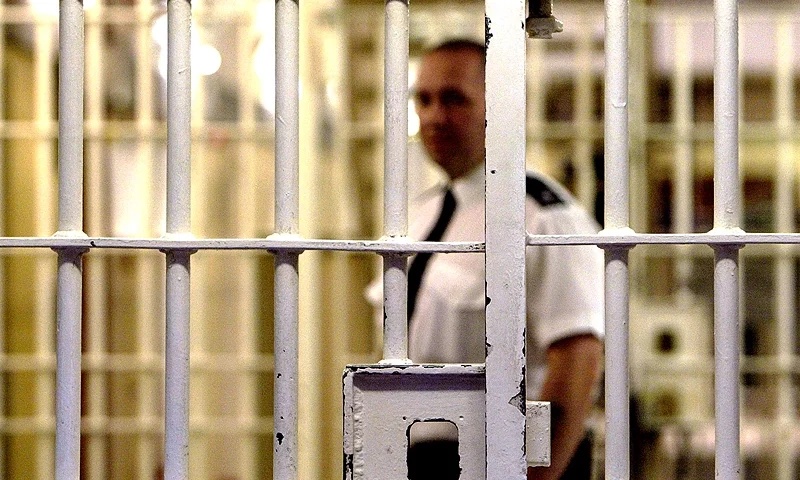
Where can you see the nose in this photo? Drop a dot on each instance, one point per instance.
(433, 113)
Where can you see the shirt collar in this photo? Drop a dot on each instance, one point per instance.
(471, 186)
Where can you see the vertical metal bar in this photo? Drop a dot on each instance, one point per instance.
(287, 206)
(616, 115)
(726, 360)
(617, 392)
(287, 76)
(785, 185)
(726, 217)
(179, 108)
(287, 284)
(68, 370)
(505, 240)
(70, 223)
(395, 189)
(179, 83)
(726, 115)
(617, 217)
(70, 122)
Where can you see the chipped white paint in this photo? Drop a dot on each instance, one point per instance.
(505, 240)
(381, 403)
(395, 184)
(287, 217)
(537, 433)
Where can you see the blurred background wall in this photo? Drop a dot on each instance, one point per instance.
(341, 197)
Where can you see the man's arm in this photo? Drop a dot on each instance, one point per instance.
(573, 367)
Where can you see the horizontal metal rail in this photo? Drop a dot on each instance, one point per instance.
(396, 245)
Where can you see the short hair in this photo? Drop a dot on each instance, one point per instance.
(459, 45)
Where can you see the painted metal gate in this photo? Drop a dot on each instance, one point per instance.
(506, 140)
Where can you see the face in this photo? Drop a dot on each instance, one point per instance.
(449, 100)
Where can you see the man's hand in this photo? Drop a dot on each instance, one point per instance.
(573, 368)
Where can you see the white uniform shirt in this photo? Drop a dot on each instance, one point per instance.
(564, 284)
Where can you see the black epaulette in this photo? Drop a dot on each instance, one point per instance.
(541, 192)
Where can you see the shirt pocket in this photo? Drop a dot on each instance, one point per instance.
(462, 323)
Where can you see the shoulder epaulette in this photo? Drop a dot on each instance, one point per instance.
(541, 192)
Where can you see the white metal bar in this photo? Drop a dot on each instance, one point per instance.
(617, 212)
(70, 120)
(287, 108)
(287, 284)
(176, 461)
(287, 278)
(179, 110)
(784, 273)
(68, 369)
(726, 360)
(395, 186)
(179, 83)
(726, 218)
(727, 208)
(277, 244)
(505, 240)
(70, 223)
(617, 219)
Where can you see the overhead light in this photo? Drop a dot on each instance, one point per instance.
(206, 60)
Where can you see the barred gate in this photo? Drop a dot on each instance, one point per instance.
(506, 55)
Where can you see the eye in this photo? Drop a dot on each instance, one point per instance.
(453, 98)
(422, 99)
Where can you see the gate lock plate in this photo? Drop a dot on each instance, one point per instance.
(382, 402)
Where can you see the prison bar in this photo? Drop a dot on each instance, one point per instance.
(395, 275)
(505, 240)
(276, 244)
(178, 217)
(617, 221)
(727, 211)
(287, 208)
(70, 223)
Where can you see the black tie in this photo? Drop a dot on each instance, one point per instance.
(417, 268)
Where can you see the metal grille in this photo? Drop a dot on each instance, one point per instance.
(626, 144)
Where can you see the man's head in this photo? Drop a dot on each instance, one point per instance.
(449, 98)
